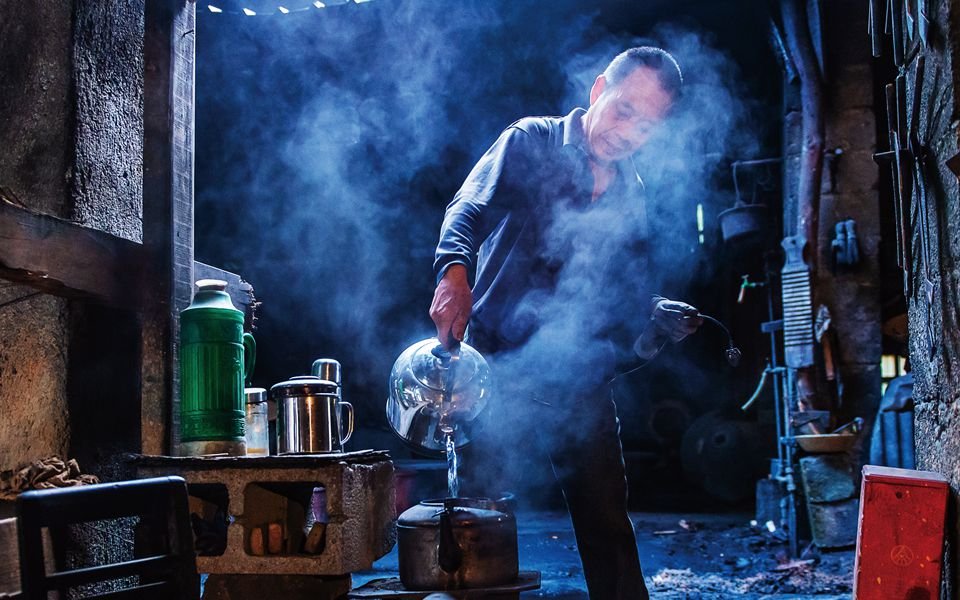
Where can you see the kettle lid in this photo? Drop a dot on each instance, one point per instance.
(431, 365)
(464, 512)
(303, 385)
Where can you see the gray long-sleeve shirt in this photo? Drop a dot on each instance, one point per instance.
(554, 269)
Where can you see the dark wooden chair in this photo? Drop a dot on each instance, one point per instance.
(164, 567)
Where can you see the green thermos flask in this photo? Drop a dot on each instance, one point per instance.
(216, 358)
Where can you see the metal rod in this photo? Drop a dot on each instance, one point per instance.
(788, 459)
(776, 376)
(800, 45)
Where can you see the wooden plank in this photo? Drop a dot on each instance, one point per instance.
(241, 292)
(65, 259)
(169, 53)
(9, 558)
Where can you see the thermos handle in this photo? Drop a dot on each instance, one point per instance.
(349, 407)
(249, 356)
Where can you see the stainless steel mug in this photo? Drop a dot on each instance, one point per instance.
(310, 416)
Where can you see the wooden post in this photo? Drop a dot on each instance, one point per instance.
(169, 52)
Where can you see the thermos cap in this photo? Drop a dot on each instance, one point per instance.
(327, 369)
(255, 395)
(211, 284)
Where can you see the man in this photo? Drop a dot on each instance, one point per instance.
(553, 215)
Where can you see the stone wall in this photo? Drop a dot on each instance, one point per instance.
(848, 191)
(36, 133)
(934, 319)
(71, 126)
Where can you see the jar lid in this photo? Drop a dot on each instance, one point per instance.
(303, 385)
(255, 395)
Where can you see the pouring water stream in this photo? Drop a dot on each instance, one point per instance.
(453, 480)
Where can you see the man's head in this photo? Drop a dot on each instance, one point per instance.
(632, 95)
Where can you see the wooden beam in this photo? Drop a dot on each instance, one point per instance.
(168, 115)
(65, 259)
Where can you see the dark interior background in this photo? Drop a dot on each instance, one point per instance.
(330, 140)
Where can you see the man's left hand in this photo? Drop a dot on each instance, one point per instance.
(675, 320)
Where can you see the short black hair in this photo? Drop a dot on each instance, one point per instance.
(658, 59)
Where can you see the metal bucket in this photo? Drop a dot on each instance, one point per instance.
(743, 220)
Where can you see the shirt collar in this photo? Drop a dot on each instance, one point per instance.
(573, 136)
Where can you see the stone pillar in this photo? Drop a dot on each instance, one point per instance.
(71, 126)
(934, 321)
(36, 133)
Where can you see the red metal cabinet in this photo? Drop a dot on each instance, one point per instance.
(900, 534)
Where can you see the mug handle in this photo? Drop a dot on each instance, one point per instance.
(349, 407)
(249, 356)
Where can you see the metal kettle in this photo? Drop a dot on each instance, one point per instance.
(435, 393)
(457, 543)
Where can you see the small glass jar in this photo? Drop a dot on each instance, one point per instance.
(258, 425)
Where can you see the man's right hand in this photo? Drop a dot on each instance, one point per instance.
(452, 305)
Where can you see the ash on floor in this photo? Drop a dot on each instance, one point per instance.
(684, 557)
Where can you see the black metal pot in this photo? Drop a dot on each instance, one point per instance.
(457, 543)
(743, 220)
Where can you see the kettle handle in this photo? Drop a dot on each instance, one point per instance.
(449, 553)
(249, 356)
(349, 407)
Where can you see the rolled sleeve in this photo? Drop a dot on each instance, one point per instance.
(484, 199)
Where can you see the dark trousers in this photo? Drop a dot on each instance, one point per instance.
(581, 439)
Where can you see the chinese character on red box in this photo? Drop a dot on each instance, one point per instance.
(900, 535)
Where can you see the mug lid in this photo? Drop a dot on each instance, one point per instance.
(327, 368)
(303, 385)
(255, 395)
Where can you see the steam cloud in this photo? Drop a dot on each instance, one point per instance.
(331, 141)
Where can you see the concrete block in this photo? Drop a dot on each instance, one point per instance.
(834, 524)
(828, 477)
(262, 490)
(33, 378)
(851, 86)
(853, 128)
(856, 175)
(769, 495)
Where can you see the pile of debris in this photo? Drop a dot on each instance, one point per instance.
(726, 561)
(51, 472)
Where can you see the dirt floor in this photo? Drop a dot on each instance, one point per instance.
(684, 556)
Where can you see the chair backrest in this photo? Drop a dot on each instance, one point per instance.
(166, 570)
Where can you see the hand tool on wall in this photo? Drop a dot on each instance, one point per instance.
(844, 247)
(797, 308)
(895, 157)
(875, 28)
(921, 154)
(895, 15)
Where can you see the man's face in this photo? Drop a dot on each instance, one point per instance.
(621, 117)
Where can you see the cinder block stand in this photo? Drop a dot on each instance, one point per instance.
(251, 492)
